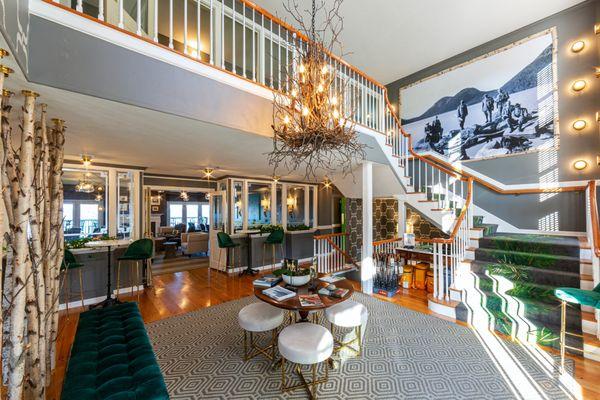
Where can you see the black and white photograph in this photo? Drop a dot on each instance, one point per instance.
(500, 104)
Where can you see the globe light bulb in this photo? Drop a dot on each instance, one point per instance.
(286, 120)
(301, 68)
(305, 111)
(336, 114)
(333, 100)
(324, 70)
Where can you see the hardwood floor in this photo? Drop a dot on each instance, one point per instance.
(182, 292)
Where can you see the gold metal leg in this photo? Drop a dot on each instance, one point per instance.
(118, 279)
(81, 287)
(563, 323)
(309, 386)
(137, 280)
(67, 290)
(254, 350)
(348, 345)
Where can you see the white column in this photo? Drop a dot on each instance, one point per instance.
(245, 205)
(284, 209)
(316, 207)
(112, 202)
(367, 267)
(274, 203)
(401, 216)
(137, 206)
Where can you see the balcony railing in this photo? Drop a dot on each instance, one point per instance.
(258, 46)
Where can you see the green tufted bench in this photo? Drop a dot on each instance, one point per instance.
(112, 358)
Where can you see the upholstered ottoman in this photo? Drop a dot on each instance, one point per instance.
(112, 358)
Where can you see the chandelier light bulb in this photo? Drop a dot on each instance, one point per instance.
(86, 161)
(324, 70)
(579, 85)
(333, 100)
(301, 68)
(320, 88)
(294, 92)
(336, 114)
(305, 111)
(579, 125)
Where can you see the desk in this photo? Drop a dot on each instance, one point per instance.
(293, 303)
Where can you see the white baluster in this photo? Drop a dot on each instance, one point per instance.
(198, 29)
(244, 39)
(233, 63)
(223, 34)
(185, 26)
(253, 45)
(436, 284)
(79, 6)
(271, 54)
(101, 10)
(120, 24)
(155, 20)
(211, 35)
(170, 24)
(139, 17)
(278, 57)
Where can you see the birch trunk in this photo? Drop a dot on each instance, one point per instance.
(20, 247)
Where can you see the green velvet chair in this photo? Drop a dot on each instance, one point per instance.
(274, 239)
(590, 298)
(69, 263)
(225, 243)
(140, 250)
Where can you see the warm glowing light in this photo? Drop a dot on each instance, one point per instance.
(579, 85)
(294, 92)
(324, 70)
(86, 161)
(208, 172)
(336, 114)
(597, 72)
(320, 88)
(184, 195)
(578, 46)
(579, 125)
(333, 100)
(301, 68)
(326, 183)
(597, 29)
(286, 120)
(305, 111)
(580, 164)
(276, 178)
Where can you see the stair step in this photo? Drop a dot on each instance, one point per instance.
(543, 261)
(591, 340)
(528, 243)
(441, 209)
(528, 274)
(588, 316)
(585, 277)
(427, 201)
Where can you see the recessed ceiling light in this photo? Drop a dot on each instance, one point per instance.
(578, 46)
(580, 164)
(579, 125)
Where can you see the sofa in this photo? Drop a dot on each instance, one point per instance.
(194, 242)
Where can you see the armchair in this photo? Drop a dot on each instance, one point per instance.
(195, 242)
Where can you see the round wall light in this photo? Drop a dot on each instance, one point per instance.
(580, 164)
(579, 85)
(577, 46)
(579, 125)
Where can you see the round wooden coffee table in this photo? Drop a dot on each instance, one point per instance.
(294, 302)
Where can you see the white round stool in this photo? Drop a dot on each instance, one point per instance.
(305, 343)
(348, 314)
(260, 317)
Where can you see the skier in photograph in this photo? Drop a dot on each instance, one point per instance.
(487, 106)
(501, 101)
(462, 113)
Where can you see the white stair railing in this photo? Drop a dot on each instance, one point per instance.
(330, 253)
(593, 236)
(386, 246)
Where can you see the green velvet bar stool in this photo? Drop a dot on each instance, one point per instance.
(225, 242)
(70, 263)
(590, 298)
(140, 250)
(274, 239)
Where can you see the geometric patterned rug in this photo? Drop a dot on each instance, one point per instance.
(406, 355)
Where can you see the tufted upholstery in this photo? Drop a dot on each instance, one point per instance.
(305, 343)
(347, 314)
(260, 317)
(112, 358)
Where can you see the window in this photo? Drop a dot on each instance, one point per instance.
(67, 216)
(191, 216)
(238, 207)
(259, 205)
(88, 218)
(295, 206)
(175, 214)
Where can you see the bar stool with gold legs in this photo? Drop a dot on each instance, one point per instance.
(305, 344)
(274, 239)
(348, 314)
(571, 295)
(70, 264)
(140, 250)
(259, 318)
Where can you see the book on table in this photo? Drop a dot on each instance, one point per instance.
(310, 300)
(279, 293)
(337, 293)
(331, 278)
(268, 281)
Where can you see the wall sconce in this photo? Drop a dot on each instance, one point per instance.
(265, 203)
(86, 161)
(597, 72)
(580, 164)
(291, 204)
(577, 46)
(578, 85)
(597, 29)
(579, 125)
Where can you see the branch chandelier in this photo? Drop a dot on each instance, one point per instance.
(313, 115)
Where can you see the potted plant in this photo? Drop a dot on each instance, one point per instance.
(292, 274)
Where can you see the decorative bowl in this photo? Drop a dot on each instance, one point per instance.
(296, 280)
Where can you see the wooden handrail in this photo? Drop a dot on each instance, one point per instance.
(384, 241)
(329, 235)
(458, 221)
(347, 256)
(595, 220)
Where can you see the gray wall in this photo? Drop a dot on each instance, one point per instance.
(526, 211)
(14, 15)
(67, 59)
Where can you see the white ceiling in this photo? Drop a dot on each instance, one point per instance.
(391, 39)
